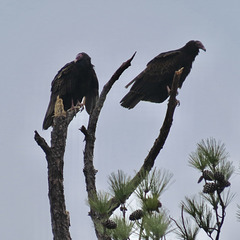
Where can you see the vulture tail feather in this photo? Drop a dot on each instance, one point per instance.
(131, 100)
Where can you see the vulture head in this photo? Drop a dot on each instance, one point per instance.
(194, 46)
(82, 56)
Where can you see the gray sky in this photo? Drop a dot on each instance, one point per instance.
(39, 37)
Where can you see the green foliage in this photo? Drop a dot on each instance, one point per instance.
(187, 229)
(156, 182)
(151, 220)
(119, 186)
(215, 199)
(123, 231)
(156, 225)
(209, 154)
(200, 211)
(212, 199)
(151, 204)
(100, 203)
(226, 168)
(208, 210)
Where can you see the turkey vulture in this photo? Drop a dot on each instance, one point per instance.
(153, 84)
(74, 81)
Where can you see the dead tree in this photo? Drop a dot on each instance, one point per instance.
(55, 156)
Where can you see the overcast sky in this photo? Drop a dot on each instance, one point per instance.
(39, 37)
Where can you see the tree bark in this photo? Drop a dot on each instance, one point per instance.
(55, 160)
(89, 170)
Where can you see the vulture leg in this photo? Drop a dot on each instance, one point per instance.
(78, 107)
(81, 104)
(84, 101)
(168, 90)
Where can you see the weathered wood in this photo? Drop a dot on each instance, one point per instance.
(55, 161)
(89, 170)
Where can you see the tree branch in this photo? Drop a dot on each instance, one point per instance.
(220, 223)
(182, 229)
(42, 143)
(89, 170)
(158, 144)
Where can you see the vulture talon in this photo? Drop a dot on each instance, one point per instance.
(168, 90)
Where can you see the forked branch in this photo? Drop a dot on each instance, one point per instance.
(89, 133)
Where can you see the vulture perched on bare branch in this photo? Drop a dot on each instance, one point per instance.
(74, 81)
(154, 83)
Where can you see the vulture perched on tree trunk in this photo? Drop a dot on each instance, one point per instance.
(154, 83)
(74, 81)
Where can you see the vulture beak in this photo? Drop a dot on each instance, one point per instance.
(203, 48)
(200, 46)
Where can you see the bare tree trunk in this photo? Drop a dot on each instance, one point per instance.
(55, 160)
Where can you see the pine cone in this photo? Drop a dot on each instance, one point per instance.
(209, 188)
(219, 176)
(207, 175)
(136, 215)
(227, 183)
(110, 224)
(222, 185)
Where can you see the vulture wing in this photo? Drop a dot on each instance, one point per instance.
(150, 85)
(59, 88)
(92, 96)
